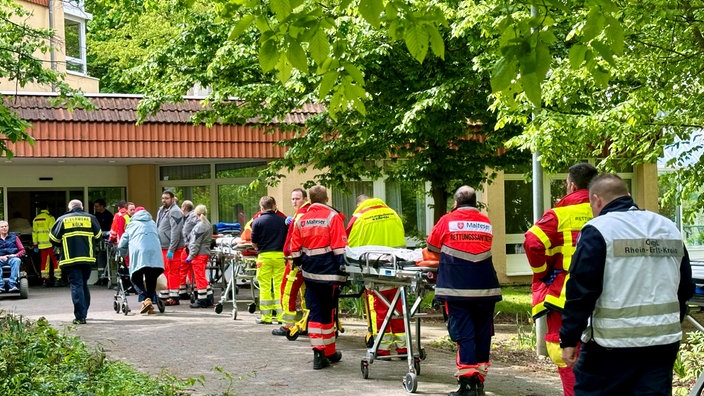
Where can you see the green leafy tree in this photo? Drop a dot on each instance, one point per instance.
(629, 102)
(121, 35)
(20, 44)
(421, 122)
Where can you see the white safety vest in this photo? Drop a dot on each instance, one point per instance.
(638, 306)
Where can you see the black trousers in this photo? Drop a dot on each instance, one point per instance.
(625, 371)
(144, 282)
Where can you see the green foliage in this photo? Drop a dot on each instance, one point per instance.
(36, 359)
(571, 80)
(516, 301)
(688, 365)
(422, 121)
(353, 306)
(121, 35)
(20, 45)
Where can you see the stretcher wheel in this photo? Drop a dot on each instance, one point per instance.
(116, 306)
(237, 290)
(218, 308)
(410, 383)
(160, 305)
(252, 308)
(294, 336)
(416, 365)
(422, 355)
(364, 366)
(125, 308)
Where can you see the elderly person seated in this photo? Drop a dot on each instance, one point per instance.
(11, 250)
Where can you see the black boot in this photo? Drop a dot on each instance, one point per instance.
(319, 360)
(200, 303)
(335, 357)
(480, 388)
(468, 387)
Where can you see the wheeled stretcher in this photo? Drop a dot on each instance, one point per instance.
(380, 267)
(238, 268)
(697, 302)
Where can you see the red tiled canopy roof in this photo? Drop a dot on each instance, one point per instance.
(111, 131)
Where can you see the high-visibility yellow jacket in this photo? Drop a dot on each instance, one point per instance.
(549, 246)
(41, 225)
(374, 223)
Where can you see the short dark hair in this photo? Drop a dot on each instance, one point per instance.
(318, 194)
(100, 202)
(466, 195)
(304, 194)
(167, 192)
(267, 202)
(581, 174)
(609, 186)
(122, 204)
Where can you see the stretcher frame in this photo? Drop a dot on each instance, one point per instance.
(240, 267)
(697, 302)
(381, 269)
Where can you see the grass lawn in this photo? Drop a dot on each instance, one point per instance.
(515, 306)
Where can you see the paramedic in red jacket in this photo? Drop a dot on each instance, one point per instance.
(468, 285)
(549, 246)
(317, 246)
(292, 287)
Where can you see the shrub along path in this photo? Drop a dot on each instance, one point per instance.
(243, 358)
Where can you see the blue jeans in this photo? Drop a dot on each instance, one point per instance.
(14, 270)
(77, 275)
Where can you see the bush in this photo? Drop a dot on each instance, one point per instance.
(688, 365)
(35, 359)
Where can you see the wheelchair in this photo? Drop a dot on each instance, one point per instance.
(22, 281)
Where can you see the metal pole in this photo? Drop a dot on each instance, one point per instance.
(541, 326)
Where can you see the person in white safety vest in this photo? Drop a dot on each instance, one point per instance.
(629, 282)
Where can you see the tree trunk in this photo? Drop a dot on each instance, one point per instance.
(440, 196)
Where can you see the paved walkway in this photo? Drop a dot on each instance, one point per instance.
(191, 343)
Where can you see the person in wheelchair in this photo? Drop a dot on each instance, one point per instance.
(11, 252)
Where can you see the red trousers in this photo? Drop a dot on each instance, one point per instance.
(395, 333)
(552, 343)
(291, 286)
(172, 271)
(46, 254)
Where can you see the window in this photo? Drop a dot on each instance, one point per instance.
(184, 172)
(237, 204)
(408, 200)
(245, 169)
(199, 195)
(75, 38)
(346, 202)
(75, 18)
(222, 188)
(111, 195)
